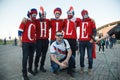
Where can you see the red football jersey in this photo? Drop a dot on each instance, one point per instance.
(56, 25)
(42, 29)
(29, 31)
(86, 29)
(70, 27)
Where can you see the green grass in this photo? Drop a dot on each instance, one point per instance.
(118, 41)
(7, 42)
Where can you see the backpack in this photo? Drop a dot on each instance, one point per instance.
(66, 48)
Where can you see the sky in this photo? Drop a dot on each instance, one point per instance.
(13, 11)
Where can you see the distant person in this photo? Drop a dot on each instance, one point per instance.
(9, 37)
(114, 40)
(61, 55)
(107, 42)
(15, 41)
(111, 42)
(101, 44)
(4, 41)
(27, 39)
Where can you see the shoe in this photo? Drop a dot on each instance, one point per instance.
(90, 72)
(82, 70)
(42, 69)
(55, 72)
(73, 69)
(35, 70)
(31, 72)
(71, 75)
(25, 77)
(63, 69)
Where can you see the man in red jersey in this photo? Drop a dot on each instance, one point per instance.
(70, 25)
(56, 23)
(26, 34)
(87, 31)
(42, 35)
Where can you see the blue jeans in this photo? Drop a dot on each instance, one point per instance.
(111, 44)
(107, 43)
(82, 46)
(56, 67)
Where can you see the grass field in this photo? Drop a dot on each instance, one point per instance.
(7, 42)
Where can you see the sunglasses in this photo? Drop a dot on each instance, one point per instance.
(59, 35)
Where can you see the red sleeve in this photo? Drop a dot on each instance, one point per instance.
(22, 27)
(93, 23)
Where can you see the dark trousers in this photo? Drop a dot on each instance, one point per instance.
(101, 47)
(106, 44)
(28, 52)
(82, 46)
(111, 44)
(71, 63)
(73, 45)
(41, 51)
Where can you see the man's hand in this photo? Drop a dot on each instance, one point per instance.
(97, 42)
(24, 20)
(20, 43)
(91, 41)
(65, 62)
(62, 65)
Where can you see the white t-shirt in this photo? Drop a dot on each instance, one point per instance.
(59, 49)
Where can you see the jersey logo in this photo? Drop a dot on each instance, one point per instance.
(29, 31)
(67, 29)
(84, 30)
(59, 51)
(57, 26)
(43, 29)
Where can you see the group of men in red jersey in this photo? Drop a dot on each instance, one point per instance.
(34, 34)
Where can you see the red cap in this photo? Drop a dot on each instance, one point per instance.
(84, 12)
(57, 9)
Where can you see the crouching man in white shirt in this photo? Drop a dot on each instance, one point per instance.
(61, 55)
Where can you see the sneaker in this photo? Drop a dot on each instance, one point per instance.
(43, 69)
(25, 77)
(63, 69)
(55, 72)
(90, 72)
(35, 70)
(82, 70)
(71, 75)
(31, 72)
(73, 69)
